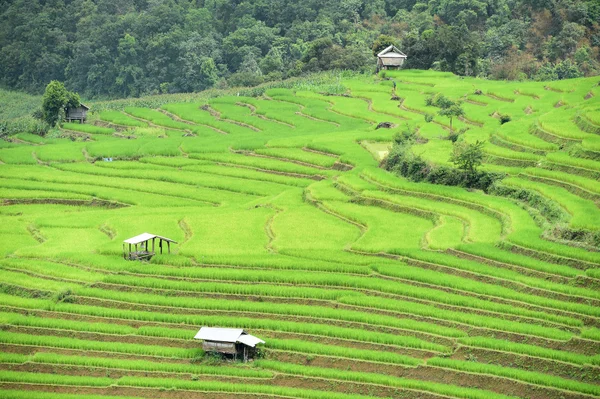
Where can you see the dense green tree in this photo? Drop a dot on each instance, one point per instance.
(448, 108)
(467, 156)
(272, 62)
(130, 74)
(55, 100)
(132, 47)
(383, 42)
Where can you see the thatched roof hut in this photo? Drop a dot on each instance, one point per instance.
(390, 58)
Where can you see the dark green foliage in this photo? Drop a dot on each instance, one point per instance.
(382, 42)
(449, 108)
(134, 47)
(401, 160)
(467, 156)
(504, 118)
(549, 209)
(56, 99)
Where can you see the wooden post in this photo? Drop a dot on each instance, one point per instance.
(153, 244)
(129, 254)
(169, 246)
(160, 245)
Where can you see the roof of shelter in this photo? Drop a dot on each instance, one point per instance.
(145, 237)
(231, 335)
(82, 106)
(391, 52)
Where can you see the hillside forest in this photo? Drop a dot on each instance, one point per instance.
(121, 48)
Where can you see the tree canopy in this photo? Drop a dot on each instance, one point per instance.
(115, 48)
(55, 102)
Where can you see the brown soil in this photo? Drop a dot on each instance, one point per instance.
(569, 187)
(427, 373)
(471, 330)
(588, 320)
(125, 136)
(364, 366)
(479, 103)
(495, 97)
(534, 96)
(154, 393)
(588, 282)
(523, 270)
(191, 344)
(65, 369)
(470, 122)
(112, 125)
(31, 349)
(92, 336)
(70, 202)
(348, 387)
(344, 167)
(560, 260)
(587, 374)
(327, 154)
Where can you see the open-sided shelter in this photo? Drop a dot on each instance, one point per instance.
(390, 58)
(138, 247)
(231, 341)
(77, 113)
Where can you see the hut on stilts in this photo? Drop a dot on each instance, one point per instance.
(138, 247)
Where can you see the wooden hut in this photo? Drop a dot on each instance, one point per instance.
(77, 113)
(229, 341)
(390, 58)
(138, 247)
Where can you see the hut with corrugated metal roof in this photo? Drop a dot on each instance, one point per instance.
(390, 58)
(229, 341)
(138, 247)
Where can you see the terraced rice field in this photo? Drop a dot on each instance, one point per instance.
(363, 284)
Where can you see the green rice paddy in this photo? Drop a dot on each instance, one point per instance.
(362, 283)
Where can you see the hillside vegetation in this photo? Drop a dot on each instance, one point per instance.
(122, 48)
(363, 283)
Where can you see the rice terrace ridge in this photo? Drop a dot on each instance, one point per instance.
(451, 253)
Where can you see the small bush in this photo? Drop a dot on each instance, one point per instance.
(504, 118)
(401, 160)
(453, 136)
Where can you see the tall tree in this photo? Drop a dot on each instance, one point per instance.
(55, 101)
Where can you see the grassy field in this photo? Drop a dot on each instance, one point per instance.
(362, 283)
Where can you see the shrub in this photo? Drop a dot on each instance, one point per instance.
(402, 161)
(504, 118)
(467, 156)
